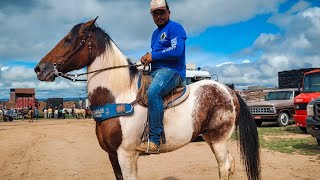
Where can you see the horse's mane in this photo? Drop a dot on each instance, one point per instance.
(104, 41)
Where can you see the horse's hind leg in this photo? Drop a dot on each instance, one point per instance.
(225, 161)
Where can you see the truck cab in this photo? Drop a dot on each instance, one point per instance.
(310, 91)
(313, 119)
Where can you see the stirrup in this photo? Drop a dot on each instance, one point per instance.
(144, 148)
(148, 148)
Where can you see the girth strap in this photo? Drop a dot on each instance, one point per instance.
(108, 111)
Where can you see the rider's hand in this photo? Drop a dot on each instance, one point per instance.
(146, 59)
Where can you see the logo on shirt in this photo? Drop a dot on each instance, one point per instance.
(163, 37)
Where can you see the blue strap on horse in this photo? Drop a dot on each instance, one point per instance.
(108, 111)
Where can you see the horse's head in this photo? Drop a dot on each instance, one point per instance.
(75, 51)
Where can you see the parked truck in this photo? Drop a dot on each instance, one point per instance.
(26, 102)
(313, 119)
(22, 106)
(54, 103)
(277, 106)
(310, 90)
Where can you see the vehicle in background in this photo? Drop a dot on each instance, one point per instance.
(310, 91)
(196, 75)
(22, 106)
(313, 119)
(54, 103)
(277, 107)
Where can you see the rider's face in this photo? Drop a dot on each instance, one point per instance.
(160, 17)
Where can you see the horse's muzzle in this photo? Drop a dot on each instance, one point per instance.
(45, 72)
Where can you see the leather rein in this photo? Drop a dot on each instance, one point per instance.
(73, 77)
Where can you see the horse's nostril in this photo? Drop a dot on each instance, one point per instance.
(37, 69)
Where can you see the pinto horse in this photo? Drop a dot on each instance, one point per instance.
(212, 109)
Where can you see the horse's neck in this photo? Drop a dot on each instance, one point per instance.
(117, 81)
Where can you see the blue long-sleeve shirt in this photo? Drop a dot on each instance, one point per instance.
(168, 48)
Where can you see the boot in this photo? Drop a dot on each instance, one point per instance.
(148, 148)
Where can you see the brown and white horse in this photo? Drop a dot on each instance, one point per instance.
(212, 109)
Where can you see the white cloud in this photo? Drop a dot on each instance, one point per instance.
(225, 63)
(246, 61)
(4, 68)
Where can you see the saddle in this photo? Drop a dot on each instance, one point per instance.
(174, 98)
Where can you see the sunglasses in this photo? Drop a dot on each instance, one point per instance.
(158, 12)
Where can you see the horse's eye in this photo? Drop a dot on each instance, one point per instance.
(67, 41)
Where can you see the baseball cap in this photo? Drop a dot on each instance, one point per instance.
(158, 4)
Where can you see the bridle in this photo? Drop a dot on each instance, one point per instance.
(73, 77)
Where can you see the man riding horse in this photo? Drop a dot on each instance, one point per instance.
(168, 69)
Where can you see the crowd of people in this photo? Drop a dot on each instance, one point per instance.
(56, 113)
(50, 113)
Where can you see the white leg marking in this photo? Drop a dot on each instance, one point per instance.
(128, 164)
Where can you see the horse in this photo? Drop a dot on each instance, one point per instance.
(69, 112)
(79, 113)
(30, 115)
(212, 109)
(88, 113)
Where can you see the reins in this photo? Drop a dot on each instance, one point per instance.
(75, 76)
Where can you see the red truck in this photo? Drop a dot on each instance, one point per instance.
(310, 91)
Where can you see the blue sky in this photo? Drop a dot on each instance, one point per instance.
(244, 42)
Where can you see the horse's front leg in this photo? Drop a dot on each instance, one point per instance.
(128, 163)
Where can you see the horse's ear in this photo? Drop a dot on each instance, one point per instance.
(90, 23)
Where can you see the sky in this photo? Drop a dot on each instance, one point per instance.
(242, 42)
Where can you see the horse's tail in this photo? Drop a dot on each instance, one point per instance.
(249, 141)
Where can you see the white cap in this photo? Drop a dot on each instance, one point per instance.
(157, 4)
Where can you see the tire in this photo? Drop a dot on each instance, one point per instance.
(304, 130)
(318, 141)
(283, 119)
(258, 123)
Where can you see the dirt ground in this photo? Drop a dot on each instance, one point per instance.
(68, 149)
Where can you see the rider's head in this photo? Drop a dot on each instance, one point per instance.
(160, 12)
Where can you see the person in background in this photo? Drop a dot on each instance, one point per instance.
(50, 112)
(64, 113)
(55, 113)
(60, 112)
(36, 113)
(168, 69)
(72, 112)
(45, 112)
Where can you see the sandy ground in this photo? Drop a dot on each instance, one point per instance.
(68, 149)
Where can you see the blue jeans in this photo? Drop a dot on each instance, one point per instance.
(164, 81)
